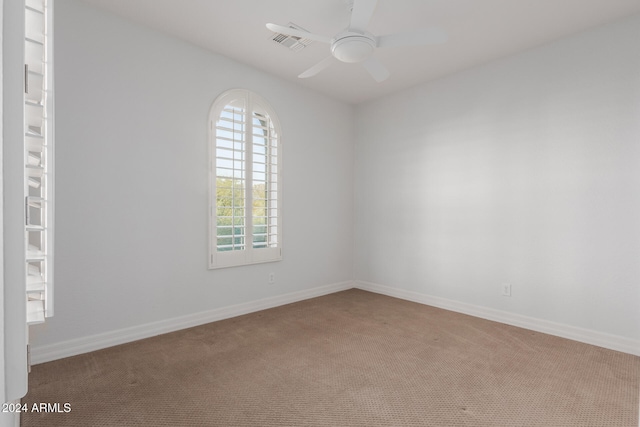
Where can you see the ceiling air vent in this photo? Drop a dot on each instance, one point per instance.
(292, 42)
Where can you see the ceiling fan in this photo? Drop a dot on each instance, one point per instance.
(356, 45)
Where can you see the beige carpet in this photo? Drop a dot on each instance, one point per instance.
(348, 359)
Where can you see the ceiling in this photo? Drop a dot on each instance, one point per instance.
(479, 31)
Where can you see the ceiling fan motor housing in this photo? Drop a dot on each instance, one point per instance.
(352, 47)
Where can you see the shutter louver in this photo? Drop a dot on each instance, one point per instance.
(38, 143)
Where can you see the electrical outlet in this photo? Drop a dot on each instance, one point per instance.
(272, 278)
(506, 289)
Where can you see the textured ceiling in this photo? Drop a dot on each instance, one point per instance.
(479, 31)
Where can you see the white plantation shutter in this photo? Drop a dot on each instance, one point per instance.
(38, 159)
(245, 195)
(265, 194)
(231, 177)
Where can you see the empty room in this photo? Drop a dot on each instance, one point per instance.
(320, 212)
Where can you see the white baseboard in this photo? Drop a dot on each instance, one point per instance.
(612, 342)
(47, 353)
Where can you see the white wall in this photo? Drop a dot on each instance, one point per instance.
(131, 180)
(522, 171)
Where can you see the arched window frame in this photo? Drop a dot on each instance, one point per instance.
(245, 227)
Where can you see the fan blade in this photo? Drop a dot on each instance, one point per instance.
(415, 38)
(378, 71)
(297, 33)
(362, 13)
(317, 68)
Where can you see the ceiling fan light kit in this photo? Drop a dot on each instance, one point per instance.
(355, 45)
(352, 47)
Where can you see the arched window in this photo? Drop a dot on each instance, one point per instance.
(245, 181)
